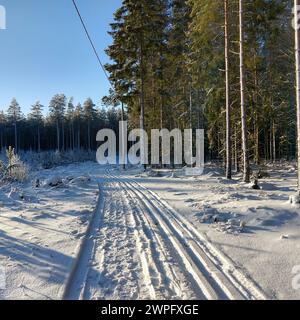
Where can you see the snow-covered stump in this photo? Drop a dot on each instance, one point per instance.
(254, 185)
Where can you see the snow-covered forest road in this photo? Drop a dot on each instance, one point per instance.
(96, 232)
(138, 247)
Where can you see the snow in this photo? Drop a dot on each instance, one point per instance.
(148, 235)
(41, 230)
(267, 247)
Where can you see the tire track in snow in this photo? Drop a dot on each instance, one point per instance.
(75, 284)
(212, 256)
(139, 247)
(214, 274)
(117, 267)
(171, 285)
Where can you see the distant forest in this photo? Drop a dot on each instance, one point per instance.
(66, 126)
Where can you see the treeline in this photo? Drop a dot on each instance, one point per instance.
(65, 127)
(226, 66)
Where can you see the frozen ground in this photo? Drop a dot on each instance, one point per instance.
(149, 236)
(268, 247)
(41, 229)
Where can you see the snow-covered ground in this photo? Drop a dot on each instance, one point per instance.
(41, 229)
(267, 249)
(149, 236)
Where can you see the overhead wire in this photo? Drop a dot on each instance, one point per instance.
(92, 43)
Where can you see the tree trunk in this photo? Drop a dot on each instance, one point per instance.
(246, 165)
(191, 121)
(297, 52)
(161, 127)
(1, 141)
(228, 107)
(236, 156)
(88, 136)
(256, 134)
(274, 142)
(16, 136)
(78, 139)
(142, 102)
(123, 138)
(39, 139)
(73, 136)
(63, 135)
(271, 143)
(256, 124)
(57, 135)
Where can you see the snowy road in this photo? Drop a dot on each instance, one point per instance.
(138, 247)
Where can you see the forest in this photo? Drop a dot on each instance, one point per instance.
(225, 66)
(105, 225)
(65, 127)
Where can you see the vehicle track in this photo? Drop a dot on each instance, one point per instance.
(214, 274)
(76, 281)
(138, 247)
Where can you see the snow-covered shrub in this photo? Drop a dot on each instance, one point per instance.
(51, 159)
(15, 169)
(19, 172)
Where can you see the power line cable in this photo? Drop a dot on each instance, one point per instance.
(92, 44)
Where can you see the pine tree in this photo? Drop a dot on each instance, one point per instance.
(228, 106)
(78, 115)
(139, 43)
(2, 128)
(70, 114)
(36, 116)
(297, 50)
(14, 116)
(180, 84)
(89, 114)
(57, 109)
(206, 66)
(246, 165)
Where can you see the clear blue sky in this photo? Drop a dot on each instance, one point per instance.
(44, 50)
